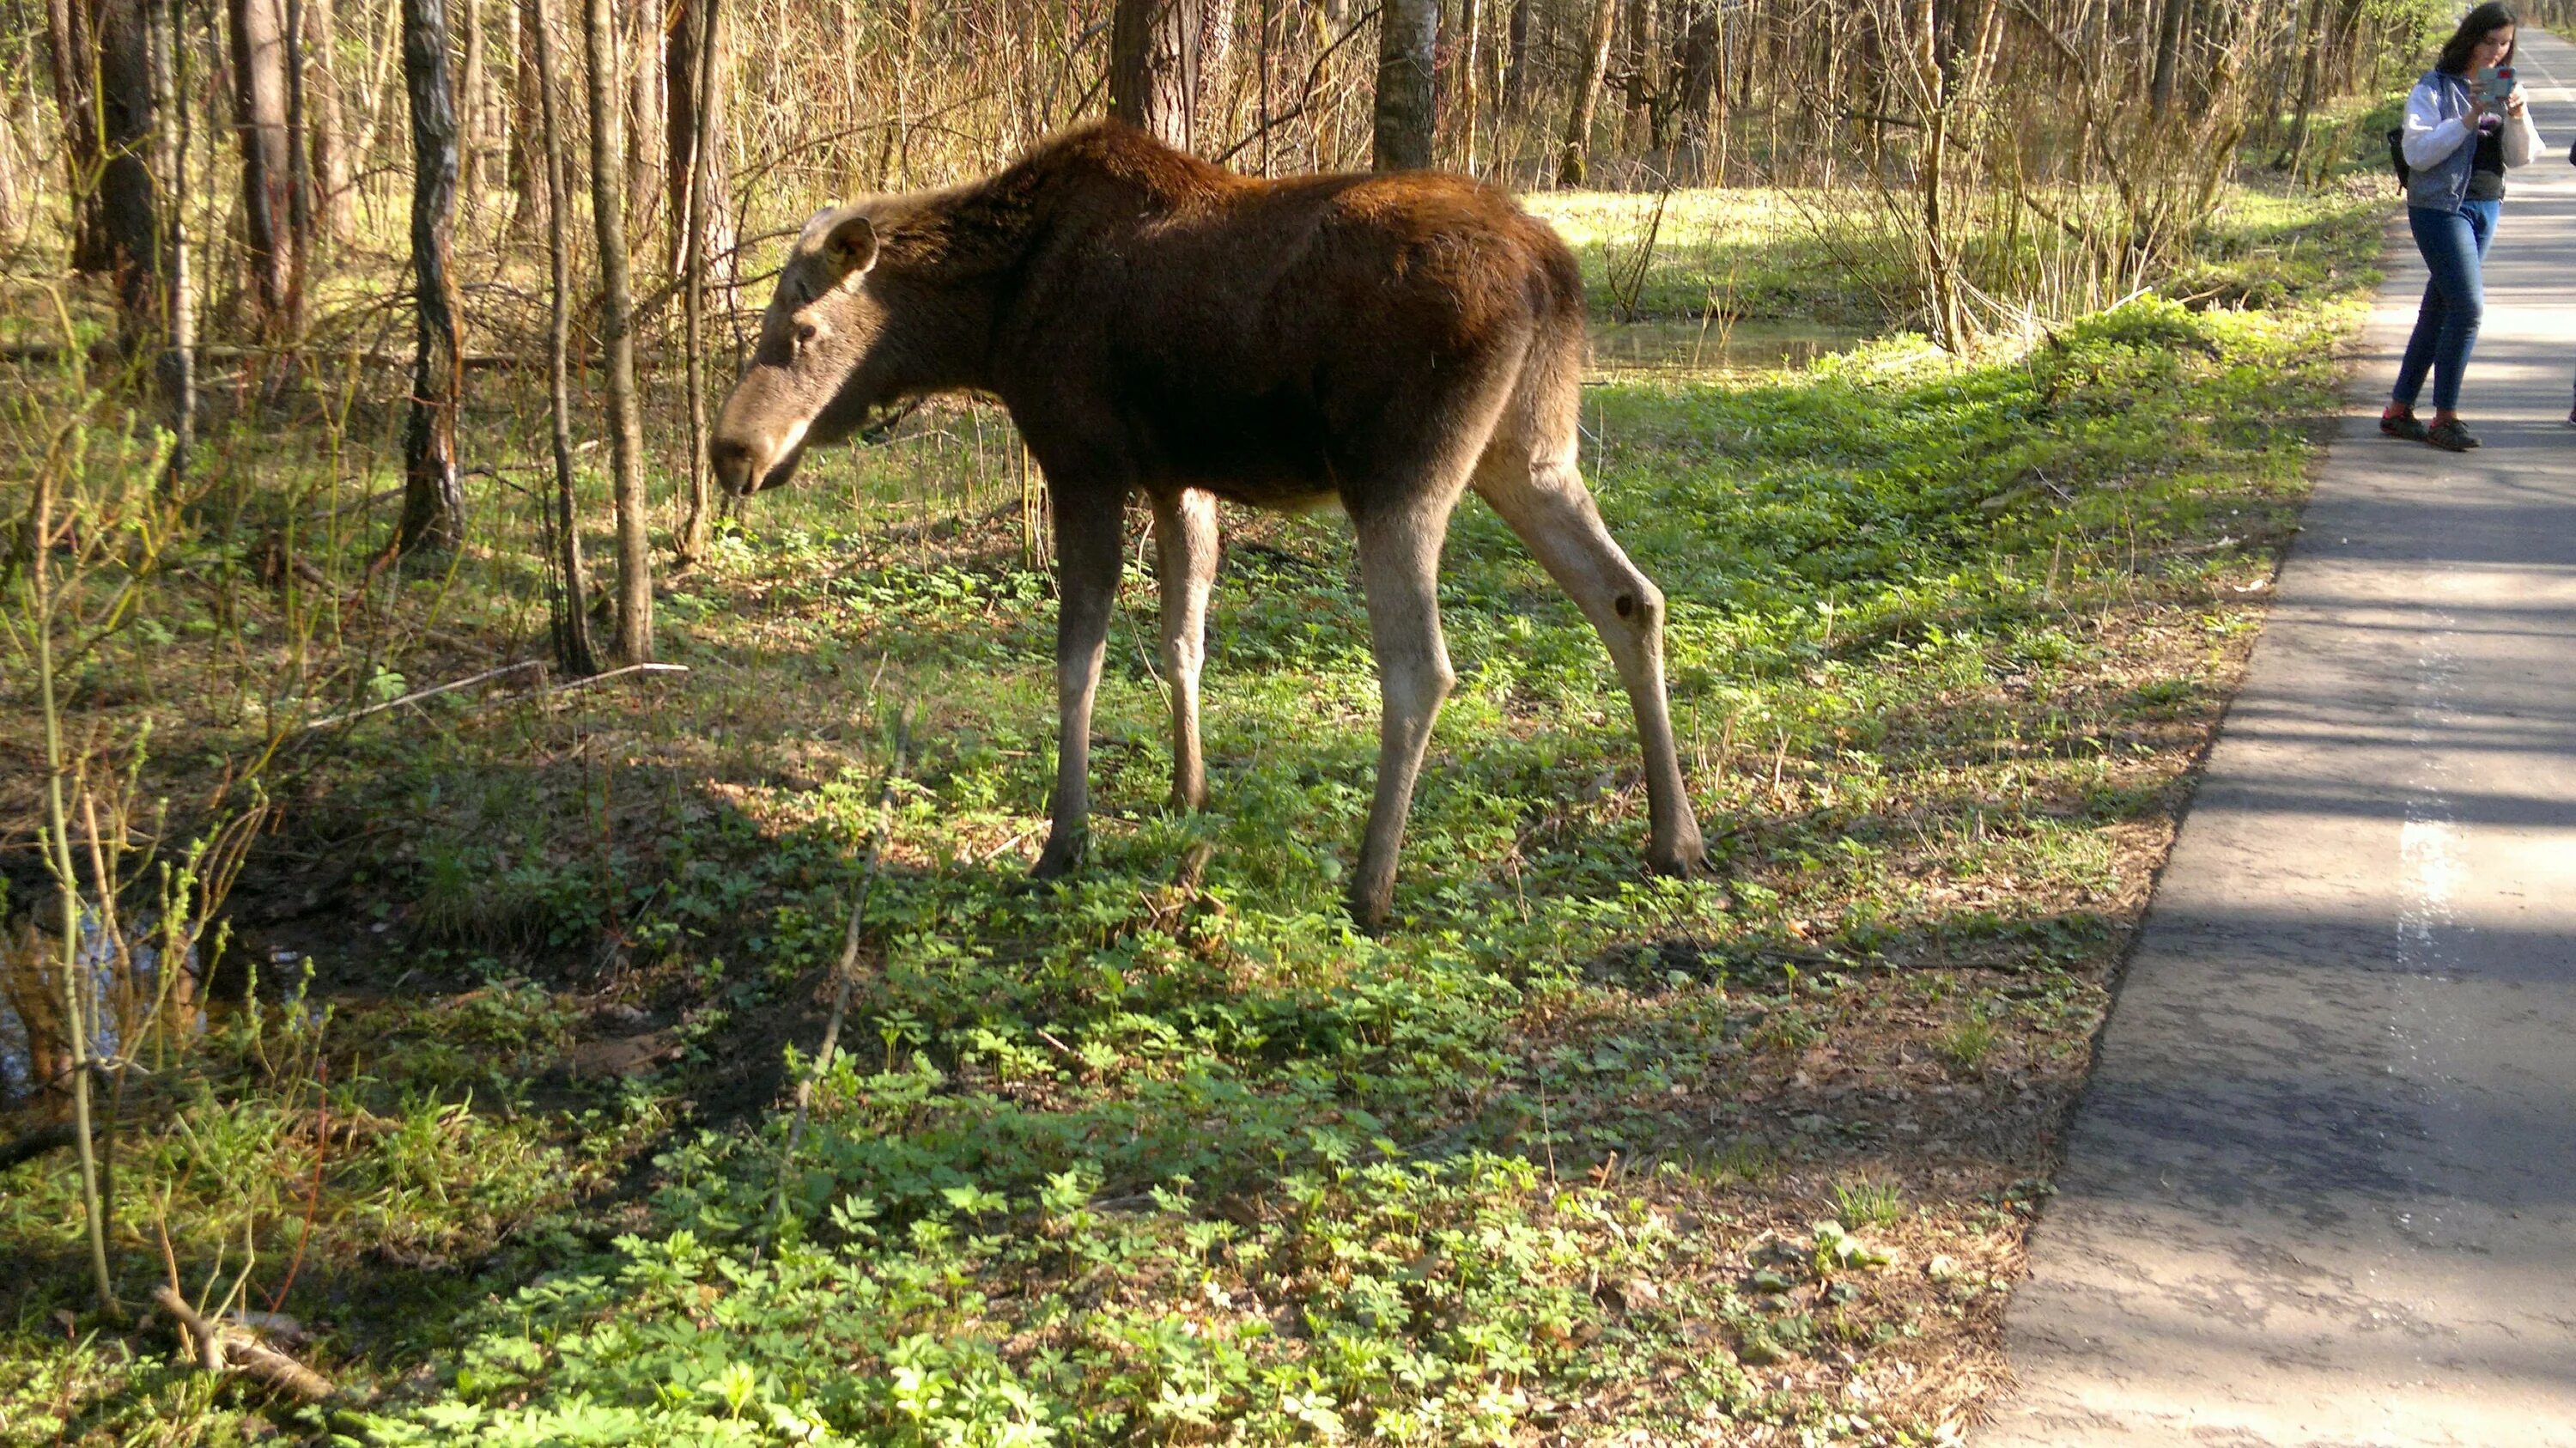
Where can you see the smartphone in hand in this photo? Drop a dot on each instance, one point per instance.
(2495, 83)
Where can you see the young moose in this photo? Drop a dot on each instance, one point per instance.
(1157, 324)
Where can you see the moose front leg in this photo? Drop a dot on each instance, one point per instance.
(1185, 543)
(1087, 558)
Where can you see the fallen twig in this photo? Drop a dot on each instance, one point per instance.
(436, 689)
(214, 1349)
(570, 685)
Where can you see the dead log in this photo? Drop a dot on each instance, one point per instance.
(216, 1349)
(36, 1143)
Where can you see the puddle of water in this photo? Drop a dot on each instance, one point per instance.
(118, 997)
(1687, 346)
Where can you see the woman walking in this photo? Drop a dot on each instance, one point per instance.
(2458, 142)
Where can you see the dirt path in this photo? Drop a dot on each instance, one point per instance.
(2323, 1187)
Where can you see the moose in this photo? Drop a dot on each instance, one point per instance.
(1157, 324)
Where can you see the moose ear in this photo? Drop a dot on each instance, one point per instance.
(851, 247)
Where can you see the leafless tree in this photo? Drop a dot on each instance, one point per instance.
(178, 363)
(1156, 61)
(697, 179)
(471, 139)
(571, 612)
(334, 201)
(103, 93)
(1700, 81)
(259, 56)
(617, 336)
(1575, 162)
(642, 67)
(433, 515)
(527, 162)
(1408, 38)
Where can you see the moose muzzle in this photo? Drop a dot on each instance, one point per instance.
(746, 461)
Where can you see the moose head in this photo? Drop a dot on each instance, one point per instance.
(826, 357)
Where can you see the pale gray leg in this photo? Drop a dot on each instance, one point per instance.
(1185, 541)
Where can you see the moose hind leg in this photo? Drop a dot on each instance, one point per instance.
(1399, 568)
(1087, 560)
(1185, 543)
(1553, 512)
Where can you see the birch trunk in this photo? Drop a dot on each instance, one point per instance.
(608, 181)
(571, 613)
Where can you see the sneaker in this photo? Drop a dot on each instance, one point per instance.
(2450, 436)
(2407, 426)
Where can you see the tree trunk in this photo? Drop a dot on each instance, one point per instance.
(178, 366)
(128, 205)
(1408, 39)
(1700, 83)
(102, 78)
(335, 205)
(692, 132)
(267, 165)
(17, 128)
(696, 98)
(472, 112)
(1577, 157)
(528, 103)
(1515, 98)
(1472, 45)
(69, 51)
(1639, 44)
(2168, 53)
(470, 116)
(616, 334)
(2295, 158)
(1152, 66)
(299, 169)
(433, 515)
(1664, 109)
(571, 612)
(644, 121)
(1950, 55)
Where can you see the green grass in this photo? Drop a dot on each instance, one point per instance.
(1747, 252)
(1818, 262)
(1174, 1154)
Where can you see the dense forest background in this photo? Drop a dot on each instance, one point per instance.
(267, 183)
(296, 145)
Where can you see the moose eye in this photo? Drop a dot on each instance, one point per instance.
(806, 332)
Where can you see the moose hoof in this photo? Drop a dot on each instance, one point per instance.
(1063, 852)
(1686, 860)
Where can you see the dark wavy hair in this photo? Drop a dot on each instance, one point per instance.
(2475, 26)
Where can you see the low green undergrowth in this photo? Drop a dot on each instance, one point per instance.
(1166, 1152)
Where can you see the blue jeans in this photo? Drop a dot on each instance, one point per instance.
(2454, 244)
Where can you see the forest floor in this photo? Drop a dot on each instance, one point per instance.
(1167, 1152)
